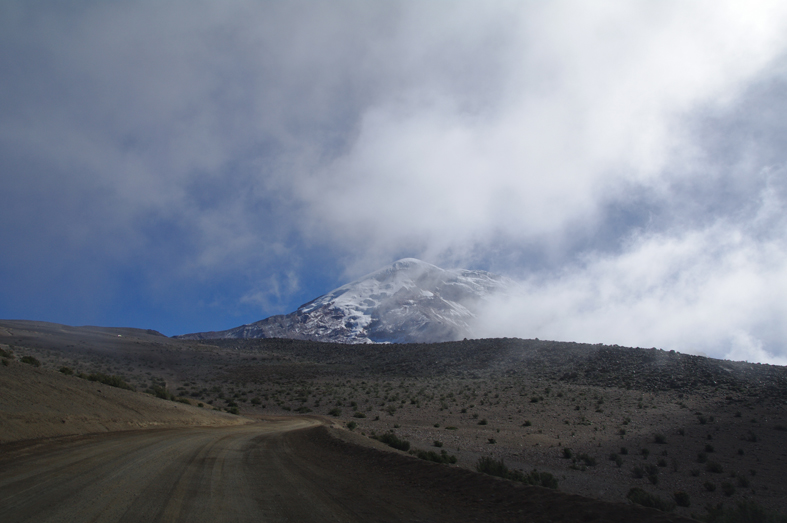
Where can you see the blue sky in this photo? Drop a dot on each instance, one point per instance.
(188, 166)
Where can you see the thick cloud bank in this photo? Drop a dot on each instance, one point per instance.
(195, 162)
(717, 291)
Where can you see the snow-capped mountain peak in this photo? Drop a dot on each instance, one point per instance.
(408, 301)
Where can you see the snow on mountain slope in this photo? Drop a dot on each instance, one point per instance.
(409, 301)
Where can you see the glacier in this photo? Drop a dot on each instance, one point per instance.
(410, 301)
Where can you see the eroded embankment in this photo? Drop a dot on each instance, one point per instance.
(36, 403)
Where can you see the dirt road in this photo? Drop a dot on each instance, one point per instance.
(247, 473)
(277, 470)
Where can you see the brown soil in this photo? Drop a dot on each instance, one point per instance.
(36, 403)
(536, 397)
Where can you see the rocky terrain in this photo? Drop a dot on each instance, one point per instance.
(694, 432)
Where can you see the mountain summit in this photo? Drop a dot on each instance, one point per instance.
(410, 301)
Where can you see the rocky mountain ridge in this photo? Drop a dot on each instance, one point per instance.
(410, 301)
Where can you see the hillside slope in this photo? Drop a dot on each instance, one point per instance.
(37, 403)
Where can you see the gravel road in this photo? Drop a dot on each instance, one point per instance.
(270, 471)
(247, 473)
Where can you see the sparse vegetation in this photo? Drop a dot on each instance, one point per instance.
(498, 468)
(640, 497)
(430, 455)
(745, 511)
(489, 405)
(112, 381)
(30, 360)
(681, 499)
(390, 439)
(714, 468)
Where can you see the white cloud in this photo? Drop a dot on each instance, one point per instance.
(199, 140)
(716, 291)
(589, 104)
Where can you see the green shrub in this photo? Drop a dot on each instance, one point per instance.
(702, 457)
(681, 499)
(6, 354)
(714, 467)
(30, 361)
(710, 486)
(498, 468)
(390, 439)
(728, 488)
(492, 467)
(640, 497)
(567, 453)
(233, 410)
(336, 412)
(112, 381)
(660, 439)
(256, 401)
(359, 415)
(431, 455)
(352, 425)
(183, 400)
(437, 443)
(482, 422)
(159, 392)
(68, 371)
(303, 409)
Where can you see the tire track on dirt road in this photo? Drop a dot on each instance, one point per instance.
(276, 470)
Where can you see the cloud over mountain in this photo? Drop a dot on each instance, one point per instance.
(410, 301)
(191, 164)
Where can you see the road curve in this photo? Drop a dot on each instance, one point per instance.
(276, 470)
(246, 473)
